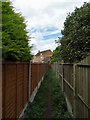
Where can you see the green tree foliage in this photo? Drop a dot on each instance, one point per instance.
(56, 55)
(75, 43)
(14, 35)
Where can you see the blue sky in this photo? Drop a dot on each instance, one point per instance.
(51, 36)
(50, 33)
(45, 20)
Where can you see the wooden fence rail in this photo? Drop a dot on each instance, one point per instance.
(75, 83)
(19, 80)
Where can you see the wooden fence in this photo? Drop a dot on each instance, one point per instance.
(37, 74)
(15, 78)
(75, 83)
(0, 90)
(18, 84)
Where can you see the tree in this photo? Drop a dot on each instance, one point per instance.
(75, 43)
(56, 55)
(14, 35)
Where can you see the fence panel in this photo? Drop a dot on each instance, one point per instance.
(88, 76)
(0, 89)
(15, 88)
(19, 88)
(83, 93)
(68, 73)
(26, 84)
(60, 69)
(34, 76)
(75, 82)
(68, 84)
(9, 91)
(37, 72)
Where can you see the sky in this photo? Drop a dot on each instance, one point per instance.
(45, 20)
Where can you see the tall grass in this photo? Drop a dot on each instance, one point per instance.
(37, 109)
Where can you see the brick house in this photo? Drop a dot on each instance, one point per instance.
(42, 56)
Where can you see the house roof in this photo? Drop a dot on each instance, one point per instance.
(45, 53)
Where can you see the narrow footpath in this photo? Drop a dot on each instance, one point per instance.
(49, 101)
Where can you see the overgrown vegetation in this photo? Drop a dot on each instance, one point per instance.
(56, 55)
(38, 108)
(75, 41)
(14, 35)
(58, 99)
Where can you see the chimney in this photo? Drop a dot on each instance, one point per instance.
(38, 51)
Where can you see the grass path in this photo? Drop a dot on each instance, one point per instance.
(49, 101)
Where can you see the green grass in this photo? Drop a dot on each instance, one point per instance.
(37, 109)
(59, 103)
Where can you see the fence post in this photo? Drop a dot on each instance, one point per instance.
(62, 77)
(75, 89)
(58, 70)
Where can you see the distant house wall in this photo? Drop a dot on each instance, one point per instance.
(38, 59)
(42, 57)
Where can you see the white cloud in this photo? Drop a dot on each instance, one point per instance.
(42, 45)
(41, 14)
